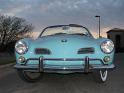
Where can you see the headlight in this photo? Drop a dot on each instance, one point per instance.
(107, 46)
(21, 47)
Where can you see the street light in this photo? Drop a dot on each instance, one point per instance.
(97, 16)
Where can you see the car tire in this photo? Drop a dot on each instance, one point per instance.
(29, 76)
(101, 75)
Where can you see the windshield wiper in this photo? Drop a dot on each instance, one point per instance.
(59, 33)
(79, 34)
(54, 34)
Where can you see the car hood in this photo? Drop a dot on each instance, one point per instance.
(68, 48)
(64, 40)
(62, 44)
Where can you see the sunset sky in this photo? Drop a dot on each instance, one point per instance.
(42, 13)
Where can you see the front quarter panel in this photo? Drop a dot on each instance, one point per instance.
(102, 54)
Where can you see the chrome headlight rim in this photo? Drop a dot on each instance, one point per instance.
(24, 43)
(104, 50)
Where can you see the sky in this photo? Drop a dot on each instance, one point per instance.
(43, 13)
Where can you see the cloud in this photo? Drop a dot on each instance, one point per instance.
(42, 13)
(16, 10)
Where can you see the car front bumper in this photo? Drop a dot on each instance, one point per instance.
(64, 69)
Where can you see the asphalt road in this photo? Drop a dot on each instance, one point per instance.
(59, 83)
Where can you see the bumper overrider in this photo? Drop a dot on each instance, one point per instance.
(50, 68)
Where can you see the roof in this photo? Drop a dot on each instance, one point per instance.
(115, 30)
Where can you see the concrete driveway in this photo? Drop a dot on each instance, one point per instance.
(58, 83)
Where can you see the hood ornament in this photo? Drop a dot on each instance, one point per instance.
(64, 40)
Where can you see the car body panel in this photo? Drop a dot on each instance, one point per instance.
(65, 50)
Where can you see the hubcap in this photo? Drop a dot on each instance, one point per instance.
(103, 75)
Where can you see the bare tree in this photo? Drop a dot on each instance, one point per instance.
(12, 29)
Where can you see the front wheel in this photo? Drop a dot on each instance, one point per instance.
(101, 75)
(29, 76)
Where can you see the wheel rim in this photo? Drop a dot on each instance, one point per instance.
(103, 75)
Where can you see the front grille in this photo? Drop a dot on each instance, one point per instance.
(88, 50)
(42, 51)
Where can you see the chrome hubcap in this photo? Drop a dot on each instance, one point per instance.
(103, 75)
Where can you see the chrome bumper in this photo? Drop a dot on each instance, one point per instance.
(51, 68)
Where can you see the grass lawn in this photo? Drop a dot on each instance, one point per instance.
(119, 56)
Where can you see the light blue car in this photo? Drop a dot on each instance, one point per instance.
(64, 49)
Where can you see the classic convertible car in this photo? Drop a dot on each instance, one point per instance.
(64, 49)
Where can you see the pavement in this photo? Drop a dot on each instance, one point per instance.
(64, 83)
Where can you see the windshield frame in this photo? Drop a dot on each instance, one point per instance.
(71, 25)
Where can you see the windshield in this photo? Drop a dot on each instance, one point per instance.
(72, 30)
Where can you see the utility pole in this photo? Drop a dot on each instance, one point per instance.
(97, 16)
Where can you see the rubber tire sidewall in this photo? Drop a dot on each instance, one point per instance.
(22, 74)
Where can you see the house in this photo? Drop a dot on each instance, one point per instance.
(117, 36)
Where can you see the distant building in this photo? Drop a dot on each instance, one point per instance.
(117, 36)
